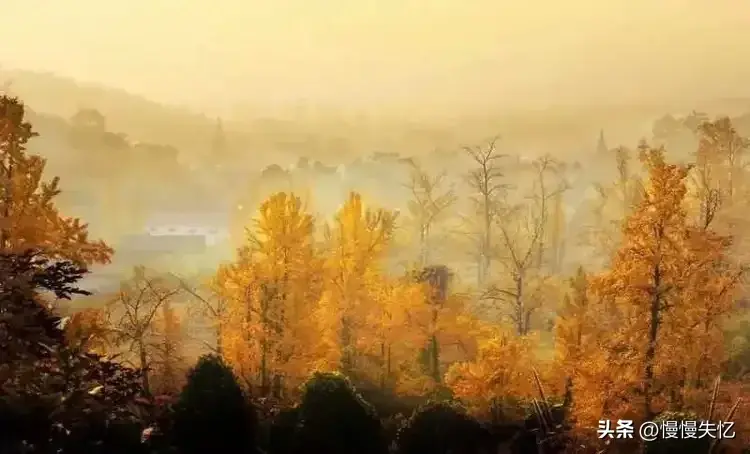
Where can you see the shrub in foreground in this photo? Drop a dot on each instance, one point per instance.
(441, 428)
(282, 431)
(333, 418)
(212, 413)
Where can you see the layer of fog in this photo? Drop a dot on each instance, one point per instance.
(436, 57)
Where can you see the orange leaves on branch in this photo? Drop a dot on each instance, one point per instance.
(356, 243)
(388, 340)
(662, 301)
(88, 330)
(28, 216)
(503, 369)
(292, 308)
(358, 237)
(270, 293)
(574, 325)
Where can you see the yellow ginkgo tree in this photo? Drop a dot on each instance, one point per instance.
(29, 218)
(501, 372)
(668, 282)
(388, 339)
(271, 291)
(355, 244)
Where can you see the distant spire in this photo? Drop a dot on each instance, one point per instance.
(601, 146)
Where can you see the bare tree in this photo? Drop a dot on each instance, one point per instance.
(627, 188)
(208, 305)
(487, 182)
(546, 197)
(719, 160)
(706, 189)
(167, 362)
(132, 313)
(471, 236)
(615, 203)
(523, 228)
(430, 200)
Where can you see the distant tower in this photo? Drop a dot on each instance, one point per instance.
(601, 146)
(219, 144)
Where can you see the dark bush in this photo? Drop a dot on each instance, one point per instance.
(56, 399)
(270, 412)
(212, 413)
(391, 426)
(552, 434)
(334, 419)
(29, 330)
(384, 400)
(442, 428)
(71, 403)
(157, 436)
(282, 431)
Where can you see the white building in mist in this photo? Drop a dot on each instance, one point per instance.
(212, 227)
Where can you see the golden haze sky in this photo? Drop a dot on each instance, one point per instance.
(368, 54)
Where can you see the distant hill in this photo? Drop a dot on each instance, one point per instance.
(266, 140)
(131, 114)
(334, 136)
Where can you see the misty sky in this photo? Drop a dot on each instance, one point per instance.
(373, 53)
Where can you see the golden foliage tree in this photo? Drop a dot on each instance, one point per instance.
(443, 322)
(270, 292)
(501, 373)
(667, 279)
(356, 242)
(574, 322)
(28, 216)
(87, 330)
(388, 339)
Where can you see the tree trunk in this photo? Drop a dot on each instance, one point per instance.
(568, 399)
(277, 386)
(520, 309)
(347, 356)
(435, 350)
(8, 200)
(264, 368)
(480, 267)
(143, 363)
(388, 364)
(219, 334)
(427, 245)
(654, 320)
(487, 246)
(264, 344)
(424, 246)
